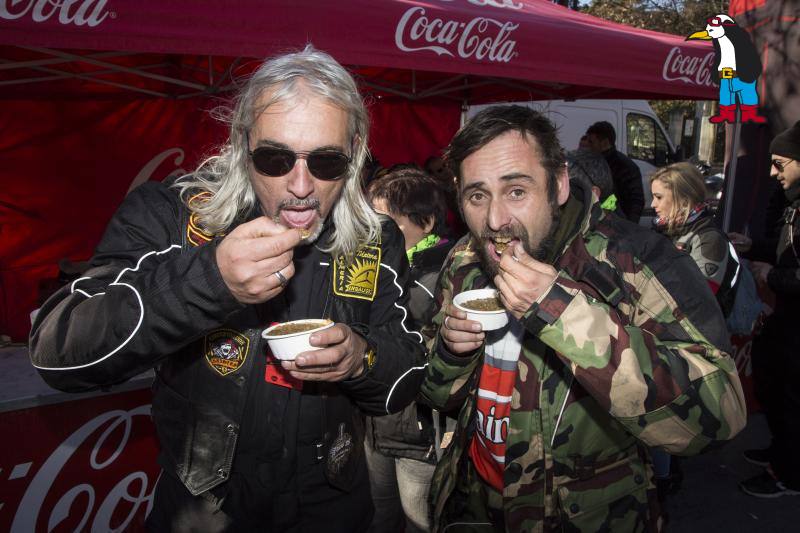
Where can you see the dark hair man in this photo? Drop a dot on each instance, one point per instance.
(613, 339)
(627, 177)
(592, 170)
(402, 448)
(776, 350)
(274, 228)
(440, 171)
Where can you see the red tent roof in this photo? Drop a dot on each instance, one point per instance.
(474, 50)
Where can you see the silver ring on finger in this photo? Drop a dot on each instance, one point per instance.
(446, 325)
(281, 278)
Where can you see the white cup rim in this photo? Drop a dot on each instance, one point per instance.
(265, 334)
(494, 291)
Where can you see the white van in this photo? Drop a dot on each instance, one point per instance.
(639, 132)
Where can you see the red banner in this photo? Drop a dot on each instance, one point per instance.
(84, 465)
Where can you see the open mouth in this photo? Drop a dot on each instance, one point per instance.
(497, 245)
(298, 217)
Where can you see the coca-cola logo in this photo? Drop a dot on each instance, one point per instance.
(687, 68)
(146, 173)
(130, 495)
(481, 37)
(79, 12)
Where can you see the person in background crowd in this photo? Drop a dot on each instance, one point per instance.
(776, 350)
(601, 138)
(441, 172)
(613, 337)
(371, 169)
(402, 448)
(593, 171)
(683, 216)
(274, 228)
(438, 170)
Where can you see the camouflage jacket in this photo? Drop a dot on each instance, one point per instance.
(626, 347)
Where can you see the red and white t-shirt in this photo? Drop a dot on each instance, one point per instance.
(488, 447)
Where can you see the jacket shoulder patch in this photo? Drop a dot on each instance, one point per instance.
(359, 277)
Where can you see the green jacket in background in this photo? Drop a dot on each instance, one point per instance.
(627, 348)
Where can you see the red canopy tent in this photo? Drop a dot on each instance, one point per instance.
(101, 94)
(477, 49)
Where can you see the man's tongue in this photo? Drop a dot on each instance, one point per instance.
(298, 218)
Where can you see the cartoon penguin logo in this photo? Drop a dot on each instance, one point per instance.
(736, 69)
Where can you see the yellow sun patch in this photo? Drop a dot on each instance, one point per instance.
(359, 278)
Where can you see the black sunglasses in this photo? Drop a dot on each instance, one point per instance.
(780, 165)
(323, 164)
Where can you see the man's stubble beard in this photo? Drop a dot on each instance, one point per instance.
(540, 253)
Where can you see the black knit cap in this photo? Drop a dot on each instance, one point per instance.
(787, 144)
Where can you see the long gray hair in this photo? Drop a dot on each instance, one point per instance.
(226, 175)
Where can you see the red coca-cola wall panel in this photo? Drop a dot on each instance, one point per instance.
(84, 465)
(67, 166)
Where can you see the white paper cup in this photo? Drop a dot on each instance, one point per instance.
(489, 320)
(286, 347)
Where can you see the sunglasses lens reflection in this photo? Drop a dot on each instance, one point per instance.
(273, 162)
(327, 165)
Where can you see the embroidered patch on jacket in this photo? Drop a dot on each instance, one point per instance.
(359, 278)
(194, 233)
(226, 350)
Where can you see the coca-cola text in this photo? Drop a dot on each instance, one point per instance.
(481, 38)
(689, 69)
(79, 12)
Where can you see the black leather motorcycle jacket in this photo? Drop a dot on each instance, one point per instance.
(154, 297)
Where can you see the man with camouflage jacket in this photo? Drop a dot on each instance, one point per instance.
(614, 342)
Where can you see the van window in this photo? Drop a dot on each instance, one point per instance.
(646, 141)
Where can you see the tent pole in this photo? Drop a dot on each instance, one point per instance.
(730, 182)
(60, 74)
(9, 64)
(118, 68)
(66, 75)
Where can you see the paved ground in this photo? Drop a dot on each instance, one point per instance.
(710, 500)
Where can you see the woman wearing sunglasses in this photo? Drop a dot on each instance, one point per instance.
(776, 350)
(274, 228)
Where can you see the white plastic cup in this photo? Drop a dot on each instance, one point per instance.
(490, 320)
(286, 347)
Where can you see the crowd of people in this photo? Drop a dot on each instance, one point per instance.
(408, 416)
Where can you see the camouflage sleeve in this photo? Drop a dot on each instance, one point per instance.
(650, 362)
(447, 376)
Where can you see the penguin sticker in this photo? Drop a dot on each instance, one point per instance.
(736, 69)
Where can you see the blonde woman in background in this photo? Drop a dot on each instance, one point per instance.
(683, 215)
